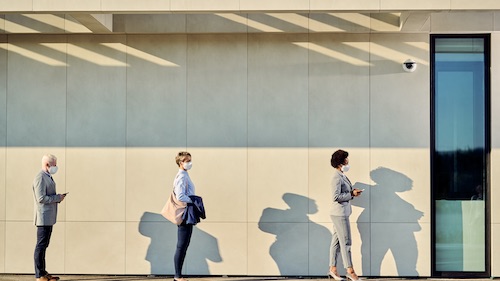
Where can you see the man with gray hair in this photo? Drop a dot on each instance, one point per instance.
(46, 200)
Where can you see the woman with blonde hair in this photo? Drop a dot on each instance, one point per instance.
(183, 188)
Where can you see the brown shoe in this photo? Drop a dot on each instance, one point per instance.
(48, 278)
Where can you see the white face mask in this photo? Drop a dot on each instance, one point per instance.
(53, 170)
(187, 165)
(345, 168)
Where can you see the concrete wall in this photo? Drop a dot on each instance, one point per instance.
(495, 155)
(261, 114)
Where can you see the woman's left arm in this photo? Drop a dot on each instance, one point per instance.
(180, 189)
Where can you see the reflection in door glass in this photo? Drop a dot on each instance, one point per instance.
(459, 156)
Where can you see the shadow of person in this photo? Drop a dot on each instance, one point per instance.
(363, 220)
(161, 250)
(293, 254)
(399, 223)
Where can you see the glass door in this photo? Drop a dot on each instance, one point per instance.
(460, 151)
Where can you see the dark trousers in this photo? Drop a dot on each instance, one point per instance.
(42, 242)
(184, 232)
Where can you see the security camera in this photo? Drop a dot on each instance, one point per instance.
(409, 65)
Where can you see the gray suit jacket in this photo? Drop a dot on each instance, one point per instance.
(341, 195)
(46, 199)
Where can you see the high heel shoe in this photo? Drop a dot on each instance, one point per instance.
(334, 276)
(349, 277)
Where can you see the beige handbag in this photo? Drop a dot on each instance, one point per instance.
(174, 209)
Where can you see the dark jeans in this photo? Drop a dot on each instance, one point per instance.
(184, 232)
(42, 242)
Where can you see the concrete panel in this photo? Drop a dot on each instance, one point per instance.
(339, 22)
(339, 86)
(95, 248)
(320, 177)
(2, 27)
(423, 239)
(97, 23)
(34, 23)
(14, 6)
(495, 250)
(495, 91)
(96, 181)
(400, 190)
(64, 5)
(3, 89)
(156, 90)
(36, 110)
(278, 196)
(152, 23)
(96, 91)
(394, 92)
(216, 23)
(3, 126)
(270, 251)
(2, 246)
(3, 182)
(277, 90)
(467, 5)
(320, 236)
(345, 5)
(462, 22)
(408, 255)
(150, 245)
(388, 22)
(150, 173)
(218, 249)
(131, 5)
(496, 25)
(494, 185)
(220, 192)
(22, 165)
(217, 87)
(20, 241)
(71, 25)
(415, 5)
(204, 5)
(274, 22)
(270, 5)
(415, 21)
(361, 247)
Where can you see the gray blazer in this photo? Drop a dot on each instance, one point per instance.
(341, 195)
(46, 199)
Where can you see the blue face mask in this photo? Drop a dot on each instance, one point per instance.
(53, 169)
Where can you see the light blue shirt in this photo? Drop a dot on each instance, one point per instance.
(183, 186)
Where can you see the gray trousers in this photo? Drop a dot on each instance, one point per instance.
(341, 241)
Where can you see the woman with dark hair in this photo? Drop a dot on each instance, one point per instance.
(343, 193)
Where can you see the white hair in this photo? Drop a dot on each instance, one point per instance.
(48, 159)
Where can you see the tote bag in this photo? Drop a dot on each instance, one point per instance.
(174, 209)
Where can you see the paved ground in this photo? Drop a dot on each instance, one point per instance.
(12, 277)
